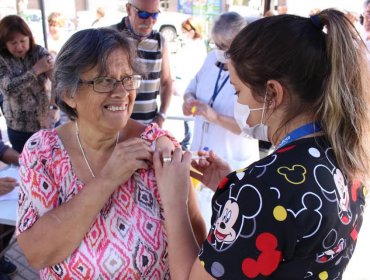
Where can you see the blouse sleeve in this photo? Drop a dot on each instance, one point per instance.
(152, 132)
(38, 192)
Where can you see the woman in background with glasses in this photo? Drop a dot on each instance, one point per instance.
(89, 204)
(189, 59)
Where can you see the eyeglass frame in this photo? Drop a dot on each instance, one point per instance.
(212, 44)
(92, 82)
(147, 14)
(188, 23)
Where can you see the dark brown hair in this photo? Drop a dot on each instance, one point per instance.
(321, 64)
(9, 25)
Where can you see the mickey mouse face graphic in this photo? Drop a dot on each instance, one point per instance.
(343, 194)
(235, 220)
(334, 187)
(224, 231)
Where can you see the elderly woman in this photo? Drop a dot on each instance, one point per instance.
(24, 68)
(89, 205)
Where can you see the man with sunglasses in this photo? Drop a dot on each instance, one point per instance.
(153, 52)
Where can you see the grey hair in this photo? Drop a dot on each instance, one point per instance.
(227, 25)
(367, 2)
(83, 51)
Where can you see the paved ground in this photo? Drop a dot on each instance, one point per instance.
(25, 272)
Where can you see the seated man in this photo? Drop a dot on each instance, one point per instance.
(8, 156)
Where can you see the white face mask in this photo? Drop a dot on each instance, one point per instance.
(241, 114)
(220, 55)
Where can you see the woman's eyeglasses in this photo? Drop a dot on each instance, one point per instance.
(219, 46)
(105, 84)
(145, 14)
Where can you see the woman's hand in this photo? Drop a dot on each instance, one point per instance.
(172, 173)
(45, 64)
(186, 106)
(203, 109)
(211, 168)
(7, 184)
(127, 157)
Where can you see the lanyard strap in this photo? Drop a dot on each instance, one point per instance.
(299, 132)
(217, 89)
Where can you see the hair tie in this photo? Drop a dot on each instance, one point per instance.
(316, 21)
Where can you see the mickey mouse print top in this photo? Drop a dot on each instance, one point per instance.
(291, 215)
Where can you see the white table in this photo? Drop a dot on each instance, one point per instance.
(8, 207)
(8, 212)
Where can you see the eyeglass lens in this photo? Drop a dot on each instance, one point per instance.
(145, 15)
(108, 84)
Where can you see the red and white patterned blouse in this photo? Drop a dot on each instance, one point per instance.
(127, 239)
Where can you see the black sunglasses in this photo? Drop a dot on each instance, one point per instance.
(145, 14)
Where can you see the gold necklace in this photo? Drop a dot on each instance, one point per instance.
(83, 152)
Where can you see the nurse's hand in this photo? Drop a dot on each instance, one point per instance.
(211, 169)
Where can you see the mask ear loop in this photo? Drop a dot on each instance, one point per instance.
(264, 107)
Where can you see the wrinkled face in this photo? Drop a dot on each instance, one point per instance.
(105, 111)
(141, 26)
(18, 45)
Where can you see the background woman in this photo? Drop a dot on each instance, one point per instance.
(56, 34)
(89, 205)
(189, 59)
(296, 213)
(24, 68)
(210, 98)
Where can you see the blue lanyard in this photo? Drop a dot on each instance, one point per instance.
(217, 89)
(299, 132)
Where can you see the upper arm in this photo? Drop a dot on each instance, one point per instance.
(166, 79)
(164, 142)
(195, 215)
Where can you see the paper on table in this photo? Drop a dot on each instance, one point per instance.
(13, 195)
(10, 171)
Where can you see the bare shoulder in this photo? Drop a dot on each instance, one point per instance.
(66, 133)
(133, 128)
